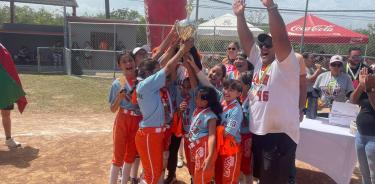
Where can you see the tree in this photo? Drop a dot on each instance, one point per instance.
(256, 17)
(28, 15)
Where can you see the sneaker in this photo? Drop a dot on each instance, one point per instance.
(180, 163)
(11, 143)
(133, 180)
(170, 179)
(292, 181)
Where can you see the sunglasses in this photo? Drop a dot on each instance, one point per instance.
(268, 46)
(357, 57)
(336, 64)
(232, 48)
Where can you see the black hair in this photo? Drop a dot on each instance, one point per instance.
(242, 55)
(246, 77)
(306, 55)
(146, 66)
(122, 55)
(197, 59)
(354, 48)
(232, 84)
(223, 69)
(210, 95)
(235, 43)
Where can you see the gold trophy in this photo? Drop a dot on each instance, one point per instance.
(186, 28)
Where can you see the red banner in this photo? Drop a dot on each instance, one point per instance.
(162, 12)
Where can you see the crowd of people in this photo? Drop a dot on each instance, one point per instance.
(240, 119)
(235, 122)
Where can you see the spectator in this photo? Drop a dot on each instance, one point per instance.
(312, 73)
(88, 54)
(354, 65)
(57, 54)
(275, 87)
(232, 51)
(333, 85)
(364, 96)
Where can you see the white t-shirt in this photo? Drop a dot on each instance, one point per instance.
(274, 97)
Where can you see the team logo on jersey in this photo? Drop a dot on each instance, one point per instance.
(228, 164)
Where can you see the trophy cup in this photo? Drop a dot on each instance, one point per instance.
(186, 28)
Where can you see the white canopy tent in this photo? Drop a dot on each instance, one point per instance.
(223, 28)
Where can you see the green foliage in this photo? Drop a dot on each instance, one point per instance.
(27, 15)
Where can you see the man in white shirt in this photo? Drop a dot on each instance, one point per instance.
(274, 100)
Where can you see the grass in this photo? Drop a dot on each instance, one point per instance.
(66, 94)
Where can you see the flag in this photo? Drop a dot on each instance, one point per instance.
(10, 91)
(9, 76)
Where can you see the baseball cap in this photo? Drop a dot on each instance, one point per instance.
(336, 58)
(144, 47)
(264, 39)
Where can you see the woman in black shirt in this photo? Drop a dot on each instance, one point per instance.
(364, 96)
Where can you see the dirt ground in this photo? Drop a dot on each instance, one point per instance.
(76, 148)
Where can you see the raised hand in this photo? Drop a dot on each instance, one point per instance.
(268, 3)
(239, 7)
(362, 78)
(187, 45)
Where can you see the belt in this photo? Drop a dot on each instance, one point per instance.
(130, 112)
(152, 130)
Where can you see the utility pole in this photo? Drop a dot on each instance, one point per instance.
(107, 12)
(304, 27)
(12, 12)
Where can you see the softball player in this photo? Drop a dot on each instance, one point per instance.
(126, 122)
(246, 137)
(150, 136)
(202, 135)
(229, 140)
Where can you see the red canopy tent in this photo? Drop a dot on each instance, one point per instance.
(319, 31)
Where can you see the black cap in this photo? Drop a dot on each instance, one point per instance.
(264, 39)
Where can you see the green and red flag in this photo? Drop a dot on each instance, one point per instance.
(10, 84)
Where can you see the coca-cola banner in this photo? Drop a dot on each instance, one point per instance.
(162, 12)
(319, 31)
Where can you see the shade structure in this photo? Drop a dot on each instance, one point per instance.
(223, 28)
(319, 31)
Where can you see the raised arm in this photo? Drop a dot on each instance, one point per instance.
(354, 97)
(165, 43)
(184, 48)
(202, 78)
(280, 38)
(244, 33)
(192, 77)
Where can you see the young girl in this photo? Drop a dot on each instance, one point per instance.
(216, 75)
(185, 95)
(127, 119)
(202, 134)
(150, 136)
(242, 65)
(246, 164)
(229, 139)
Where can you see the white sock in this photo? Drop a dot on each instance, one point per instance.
(135, 167)
(113, 176)
(125, 173)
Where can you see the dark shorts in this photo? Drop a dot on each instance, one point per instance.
(10, 107)
(273, 157)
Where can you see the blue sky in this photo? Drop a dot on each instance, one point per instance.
(360, 20)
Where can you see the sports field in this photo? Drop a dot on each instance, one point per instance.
(66, 135)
